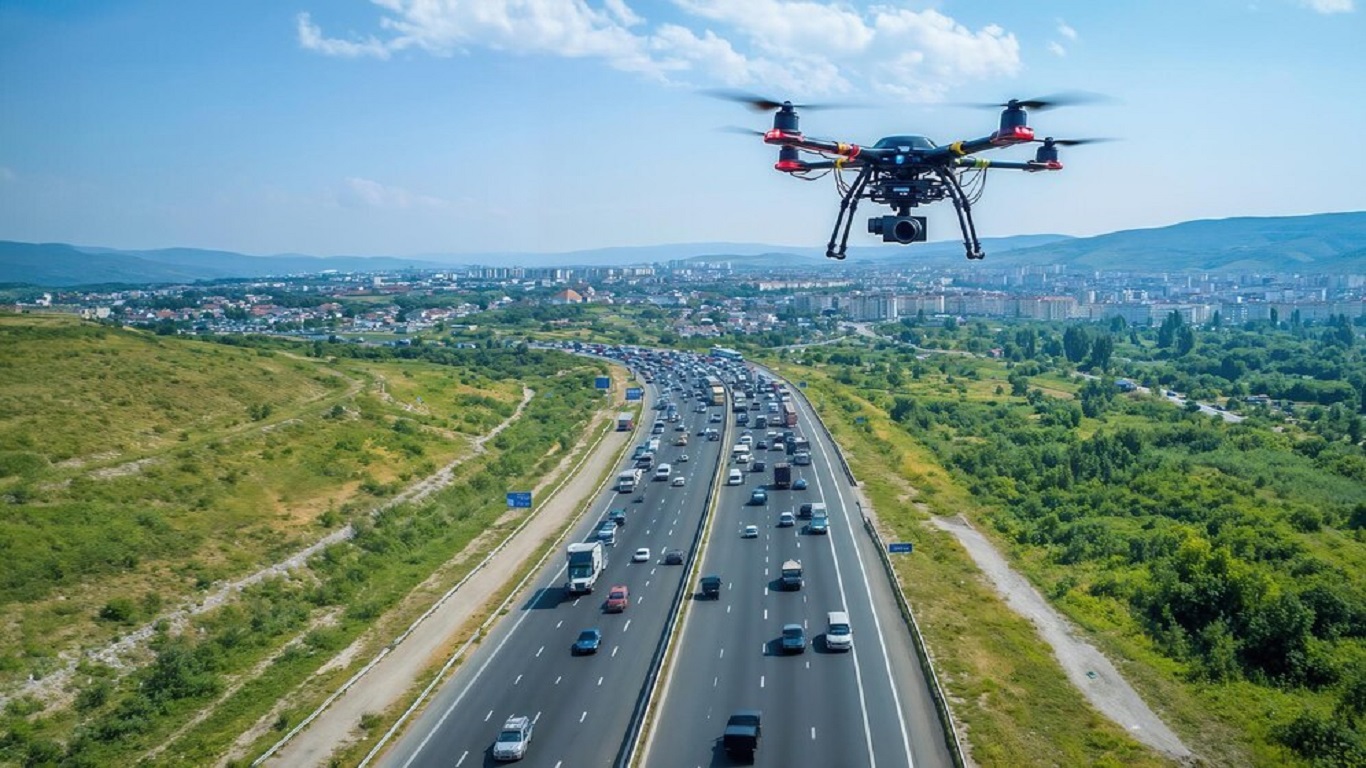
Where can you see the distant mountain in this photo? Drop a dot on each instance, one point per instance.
(1330, 243)
(1327, 243)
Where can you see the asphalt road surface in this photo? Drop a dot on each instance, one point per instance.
(867, 707)
(581, 705)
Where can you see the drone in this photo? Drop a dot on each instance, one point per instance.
(905, 172)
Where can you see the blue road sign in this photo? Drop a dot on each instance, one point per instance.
(603, 382)
(634, 393)
(519, 499)
(899, 548)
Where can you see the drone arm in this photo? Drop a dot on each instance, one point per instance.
(959, 149)
(1032, 167)
(849, 152)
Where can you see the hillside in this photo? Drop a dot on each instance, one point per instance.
(1328, 243)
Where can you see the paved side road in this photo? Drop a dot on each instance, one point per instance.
(1086, 667)
(385, 684)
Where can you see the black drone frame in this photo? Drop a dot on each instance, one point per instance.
(904, 172)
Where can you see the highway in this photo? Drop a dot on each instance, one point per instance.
(867, 707)
(581, 705)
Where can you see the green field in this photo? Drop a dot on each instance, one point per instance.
(138, 473)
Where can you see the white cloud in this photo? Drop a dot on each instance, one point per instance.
(311, 38)
(1066, 31)
(1329, 6)
(789, 27)
(364, 193)
(1056, 49)
(805, 47)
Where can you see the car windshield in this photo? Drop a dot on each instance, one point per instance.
(510, 736)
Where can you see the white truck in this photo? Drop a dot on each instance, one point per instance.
(586, 564)
(628, 480)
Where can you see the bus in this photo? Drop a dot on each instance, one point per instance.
(723, 353)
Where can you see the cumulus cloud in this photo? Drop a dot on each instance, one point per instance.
(356, 192)
(805, 46)
(1066, 31)
(1056, 49)
(1329, 6)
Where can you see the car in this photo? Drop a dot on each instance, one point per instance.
(673, 557)
(683, 459)
(799, 484)
(681, 427)
(711, 587)
(794, 639)
(514, 739)
(758, 466)
(762, 445)
(589, 641)
(617, 516)
(618, 598)
(641, 555)
(787, 520)
(758, 497)
(678, 482)
(750, 532)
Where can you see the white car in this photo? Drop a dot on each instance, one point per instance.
(750, 532)
(641, 555)
(678, 482)
(683, 459)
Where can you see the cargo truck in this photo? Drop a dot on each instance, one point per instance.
(792, 574)
(586, 563)
(782, 475)
(625, 422)
(627, 481)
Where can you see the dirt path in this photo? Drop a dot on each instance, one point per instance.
(1085, 666)
(390, 676)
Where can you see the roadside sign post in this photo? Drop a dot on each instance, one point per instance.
(634, 393)
(900, 548)
(519, 499)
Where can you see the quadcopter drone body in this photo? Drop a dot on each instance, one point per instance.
(905, 172)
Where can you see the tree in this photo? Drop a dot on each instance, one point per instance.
(1076, 343)
(1166, 334)
(1101, 350)
(1185, 341)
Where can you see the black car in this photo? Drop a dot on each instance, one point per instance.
(673, 557)
(618, 516)
(711, 587)
(757, 466)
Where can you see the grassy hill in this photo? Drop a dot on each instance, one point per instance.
(144, 476)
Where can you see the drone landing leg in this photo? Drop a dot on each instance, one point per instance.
(848, 205)
(964, 210)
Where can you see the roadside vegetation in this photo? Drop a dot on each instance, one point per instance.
(139, 472)
(1220, 563)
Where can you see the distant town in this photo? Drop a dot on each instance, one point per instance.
(738, 299)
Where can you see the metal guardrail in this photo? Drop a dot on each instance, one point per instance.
(645, 700)
(941, 704)
(478, 633)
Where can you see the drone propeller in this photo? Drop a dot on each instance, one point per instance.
(1046, 102)
(764, 104)
(1050, 141)
(738, 129)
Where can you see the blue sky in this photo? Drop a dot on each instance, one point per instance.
(411, 127)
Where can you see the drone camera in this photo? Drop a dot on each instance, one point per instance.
(899, 229)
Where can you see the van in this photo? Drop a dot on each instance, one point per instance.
(663, 471)
(838, 635)
(736, 478)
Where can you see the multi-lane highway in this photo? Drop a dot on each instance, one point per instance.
(581, 705)
(869, 706)
(866, 707)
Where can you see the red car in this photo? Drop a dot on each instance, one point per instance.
(618, 598)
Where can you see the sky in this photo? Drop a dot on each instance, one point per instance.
(423, 127)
